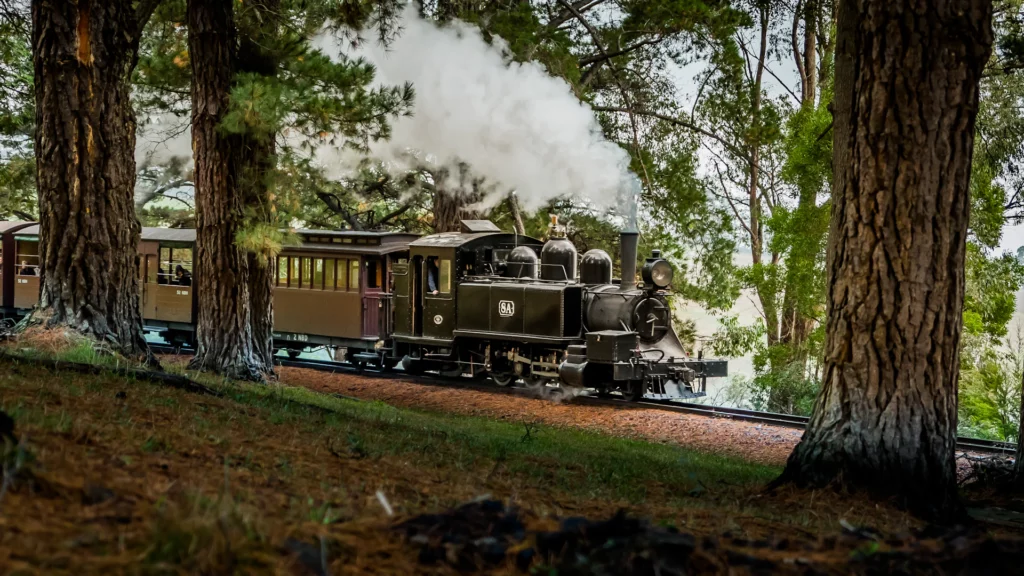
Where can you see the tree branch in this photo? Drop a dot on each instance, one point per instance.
(395, 214)
(595, 58)
(678, 122)
(618, 80)
(144, 11)
(796, 48)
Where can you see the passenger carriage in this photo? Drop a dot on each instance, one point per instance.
(332, 289)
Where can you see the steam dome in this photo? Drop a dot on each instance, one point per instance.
(521, 263)
(596, 267)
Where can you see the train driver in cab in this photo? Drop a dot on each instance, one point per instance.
(432, 282)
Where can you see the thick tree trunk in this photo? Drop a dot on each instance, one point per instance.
(257, 162)
(83, 53)
(906, 98)
(224, 319)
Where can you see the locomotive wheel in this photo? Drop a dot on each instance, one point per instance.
(503, 379)
(412, 366)
(451, 370)
(636, 391)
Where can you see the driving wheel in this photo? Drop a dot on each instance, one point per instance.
(503, 379)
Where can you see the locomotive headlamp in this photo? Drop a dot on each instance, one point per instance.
(657, 271)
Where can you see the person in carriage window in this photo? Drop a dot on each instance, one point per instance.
(432, 282)
(182, 276)
(27, 270)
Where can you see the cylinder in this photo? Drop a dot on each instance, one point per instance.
(596, 268)
(558, 260)
(521, 263)
(628, 241)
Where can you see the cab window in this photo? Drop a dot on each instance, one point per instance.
(444, 277)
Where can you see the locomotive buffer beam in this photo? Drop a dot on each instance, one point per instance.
(613, 359)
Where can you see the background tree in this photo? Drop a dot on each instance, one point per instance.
(886, 417)
(17, 114)
(256, 75)
(83, 54)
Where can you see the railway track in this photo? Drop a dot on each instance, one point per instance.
(966, 444)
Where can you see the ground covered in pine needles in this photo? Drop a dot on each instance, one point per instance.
(110, 473)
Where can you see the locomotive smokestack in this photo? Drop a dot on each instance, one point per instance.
(629, 236)
(627, 251)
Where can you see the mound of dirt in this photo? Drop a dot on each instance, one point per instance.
(488, 534)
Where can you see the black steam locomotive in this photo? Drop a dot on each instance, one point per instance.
(491, 303)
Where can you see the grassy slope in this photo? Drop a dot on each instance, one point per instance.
(132, 473)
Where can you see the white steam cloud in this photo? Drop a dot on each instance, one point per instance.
(514, 124)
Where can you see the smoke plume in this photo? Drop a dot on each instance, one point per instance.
(513, 123)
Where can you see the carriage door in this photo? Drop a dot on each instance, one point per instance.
(416, 287)
(374, 276)
(439, 308)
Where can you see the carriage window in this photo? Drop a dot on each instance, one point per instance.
(293, 273)
(27, 262)
(307, 273)
(163, 275)
(329, 274)
(353, 275)
(174, 266)
(444, 277)
(282, 270)
(151, 269)
(318, 274)
(372, 274)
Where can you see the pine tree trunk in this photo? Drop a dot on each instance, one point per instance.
(224, 319)
(906, 97)
(257, 163)
(83, 54)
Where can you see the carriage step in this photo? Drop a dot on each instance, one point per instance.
(365, 357)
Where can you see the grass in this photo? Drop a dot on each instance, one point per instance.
(207, 484)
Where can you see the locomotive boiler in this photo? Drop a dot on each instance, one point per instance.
(515, 308)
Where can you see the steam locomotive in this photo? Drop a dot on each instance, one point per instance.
(514, 308)
(479, 301)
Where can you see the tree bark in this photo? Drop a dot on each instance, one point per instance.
(257, 162)
(83, 53)
(906, 97)
(224, 318)
(451, 200)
